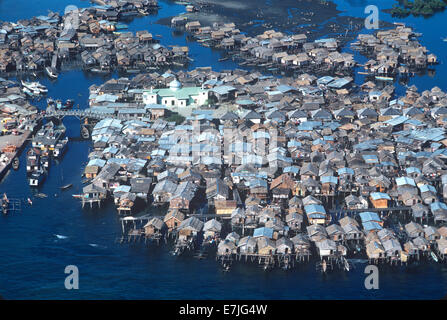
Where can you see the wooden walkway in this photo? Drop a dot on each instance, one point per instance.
(391, 209)
(82, 114)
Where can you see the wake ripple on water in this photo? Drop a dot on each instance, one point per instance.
(95, 245)
(358, 261)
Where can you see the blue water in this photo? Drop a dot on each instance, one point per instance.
(432, 28)
(37, 243)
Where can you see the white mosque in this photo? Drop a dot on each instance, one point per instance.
(176, 96)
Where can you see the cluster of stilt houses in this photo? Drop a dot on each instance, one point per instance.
(269, 185)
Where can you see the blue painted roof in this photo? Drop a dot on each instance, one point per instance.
(329, 179)
(263, 232)
(309, 125)
(370, 158)
(97, 162)
(371, 225)
(314, 208)
(396, 121)
(427, 188)
(345, 171)
(122, 188)
(291, 169)
(369, 216)
(438, 206)
(410, 170)
(379, 195)
(402, 181)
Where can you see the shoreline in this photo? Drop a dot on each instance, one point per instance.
(20, 144)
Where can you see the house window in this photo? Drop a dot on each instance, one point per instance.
(172, 102)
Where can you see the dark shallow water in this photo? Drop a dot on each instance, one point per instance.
(33, 257)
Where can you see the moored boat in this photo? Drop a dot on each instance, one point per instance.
(45, 160)
(69, 104)
(434, 257)
(34, 87)
(85, 133)
(15, 163)
(37, 177)
(60, 148)
(41, 195)
(51, 72)
(32, 160)
(100, 71)
(384, 78)
(5, 206)
(67, 186)
(324, 266)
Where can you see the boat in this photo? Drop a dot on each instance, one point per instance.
(100, 71)
(28, 92)
(15, 163)
(60, 148)
(346, 264)
(223, 59)
(125, 14)
(30, 202)
(67, 186)
(142, 12)
(45, 160)
(35, 87)
(47, 137)
(31, 92)
(133, 70)
(5, 206)
(41, 195)
(384, 78)
(51, 72)
(85, 133)
(69, 104)
(58, 104)
(433, 255)
(324, 266)
(37, 177)
(121, 26)
(32, 160)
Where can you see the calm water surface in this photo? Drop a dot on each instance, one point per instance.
(37, 243)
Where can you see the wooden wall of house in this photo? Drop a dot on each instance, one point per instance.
(381, 203)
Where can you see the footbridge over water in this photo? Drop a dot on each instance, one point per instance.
(83, 114)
